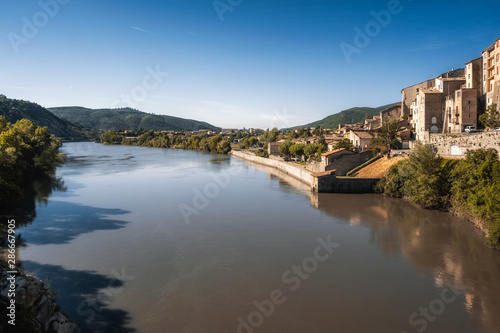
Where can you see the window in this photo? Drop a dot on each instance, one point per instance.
(469, 76)
(434, 120)
(468, 85)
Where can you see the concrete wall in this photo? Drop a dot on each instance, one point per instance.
(295, 171)
(332, 184)
(342, 164)
(455, 145)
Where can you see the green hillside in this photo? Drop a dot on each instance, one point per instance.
(349, 116)
(14, 110)
(127, 119)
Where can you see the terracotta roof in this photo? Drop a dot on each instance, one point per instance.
(336, 151)
(363, 134)
(431, 91)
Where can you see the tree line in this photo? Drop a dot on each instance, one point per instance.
(202, 142)
(469, 187)
(26, 151)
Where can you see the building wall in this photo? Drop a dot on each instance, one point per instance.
(273, 148)
(473, 75)
(409, 95)
(358, 142)
(292, 170)
(332, 184)
(491, 74)
(432, 113)
(391, 114)
(455, 145)
(342, 164)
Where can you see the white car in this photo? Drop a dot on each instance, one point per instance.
(470, 129)
(497, 129)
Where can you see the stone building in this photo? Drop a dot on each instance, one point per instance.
(360, 139)
(390, 114)
(273, 148)
(491, 75)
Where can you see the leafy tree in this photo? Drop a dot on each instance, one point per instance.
(252, 141)
(292, 135)
(26, 151)
(314, 148)
(224, 147)
(387, 135)
(213, 142)
(345, 143)
(285, 148)
(301, 132)
(297, 149)
(244, 143)
(476, 189)
(490, 118)
(271, 135)
(318, 131)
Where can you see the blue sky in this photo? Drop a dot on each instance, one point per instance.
(267, 63)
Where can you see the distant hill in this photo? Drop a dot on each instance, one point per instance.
(127, 119)
(15, 109)
(349, 116)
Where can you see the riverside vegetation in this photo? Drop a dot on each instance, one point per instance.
(202, 142)
(26, 152)
(469, 188)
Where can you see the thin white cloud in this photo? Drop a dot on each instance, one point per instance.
(143, 30)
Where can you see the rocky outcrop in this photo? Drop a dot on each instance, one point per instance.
(36, 310)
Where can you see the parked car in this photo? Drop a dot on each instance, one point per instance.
(497, 129)
(470, 129)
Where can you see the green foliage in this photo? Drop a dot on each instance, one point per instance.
(476, 188)
(314, 148)
(203, 142)
(387, 136)
(345, 143)
(285, 148)
(471, 185)
(297, 149)
(127, 118)
(490, 117)
(271, 135)
(26, 151)
(350, 116)
(14, 110)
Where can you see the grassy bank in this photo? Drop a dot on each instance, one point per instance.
(469, 188)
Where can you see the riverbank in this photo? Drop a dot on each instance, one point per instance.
(34, 310)
(323, 182)
(470, 188)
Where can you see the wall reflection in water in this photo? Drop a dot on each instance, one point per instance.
(436, 243)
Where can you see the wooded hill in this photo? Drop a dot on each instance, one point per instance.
(349, 116)
(127, 119)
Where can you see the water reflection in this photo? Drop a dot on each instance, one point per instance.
(80, 295)
(37, 192)
(436, 243)
(61, 222)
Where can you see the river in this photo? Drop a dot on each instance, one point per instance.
(158, 240)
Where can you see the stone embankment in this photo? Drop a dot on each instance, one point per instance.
(297, 172)
(323, 182)
(456, 145)
(35, 310)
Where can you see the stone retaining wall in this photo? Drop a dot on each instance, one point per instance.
(293, 170)
(455, 145)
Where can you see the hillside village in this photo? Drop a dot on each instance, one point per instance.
(442, 111)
